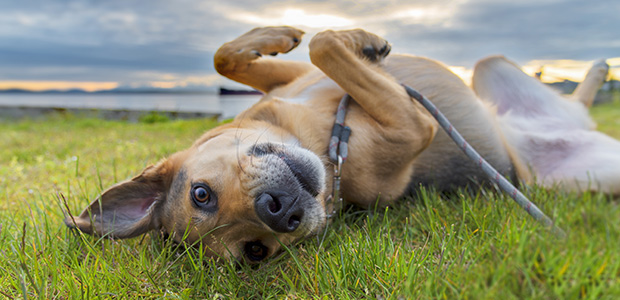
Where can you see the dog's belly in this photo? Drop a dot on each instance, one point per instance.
(559, 154)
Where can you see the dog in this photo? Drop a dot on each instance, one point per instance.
(247, 187)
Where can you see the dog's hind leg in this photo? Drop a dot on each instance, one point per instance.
(550, 133)
(587, 89)
(502, 83)
(240, 59)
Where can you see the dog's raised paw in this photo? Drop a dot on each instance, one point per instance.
(364, 44)
(271, 40)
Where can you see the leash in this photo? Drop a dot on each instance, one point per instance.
(336, 148)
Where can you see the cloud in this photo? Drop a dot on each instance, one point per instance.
(132, 41)
(528, 30)
(117, 38)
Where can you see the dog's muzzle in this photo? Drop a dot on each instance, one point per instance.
(291, 179)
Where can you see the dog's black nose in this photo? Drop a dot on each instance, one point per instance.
(279, 210)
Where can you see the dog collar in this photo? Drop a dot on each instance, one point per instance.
(338, 152)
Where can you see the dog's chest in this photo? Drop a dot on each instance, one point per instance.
(303, 92)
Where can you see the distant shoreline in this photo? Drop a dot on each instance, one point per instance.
(173, 91)
(129, 106)
(107, 92)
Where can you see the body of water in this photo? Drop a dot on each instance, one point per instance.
(209, 104)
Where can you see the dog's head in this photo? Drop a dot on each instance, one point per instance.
(241, 192)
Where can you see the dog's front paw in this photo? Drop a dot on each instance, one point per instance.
(374, 54)
(364, 44)
(269, 40)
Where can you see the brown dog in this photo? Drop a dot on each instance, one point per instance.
(246, 187)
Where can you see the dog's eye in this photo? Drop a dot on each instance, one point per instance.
(256, 251)
(202, 195)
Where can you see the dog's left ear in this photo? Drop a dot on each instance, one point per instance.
(129, 208)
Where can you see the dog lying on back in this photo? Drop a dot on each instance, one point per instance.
(246, 187)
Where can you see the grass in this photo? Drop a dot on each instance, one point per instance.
(467, 246)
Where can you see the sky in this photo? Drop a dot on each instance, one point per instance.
(95, 45)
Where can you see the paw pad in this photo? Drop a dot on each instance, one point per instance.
(373, 54)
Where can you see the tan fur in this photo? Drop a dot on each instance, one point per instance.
(280, 145)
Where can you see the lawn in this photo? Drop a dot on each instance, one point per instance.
(467, 246)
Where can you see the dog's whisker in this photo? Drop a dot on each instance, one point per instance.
(237, 136)
(255, 144)
(238, 149)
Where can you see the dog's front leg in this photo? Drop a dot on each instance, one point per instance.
(351, 59)
(239, 59)
(389, 132)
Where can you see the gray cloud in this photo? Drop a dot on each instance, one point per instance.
(102, 37)
(525, 31)
(136, 40)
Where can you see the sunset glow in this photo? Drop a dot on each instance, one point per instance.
(426, 15)
(559, 70)
(294, 17)
(552, 70)
(57, 85)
